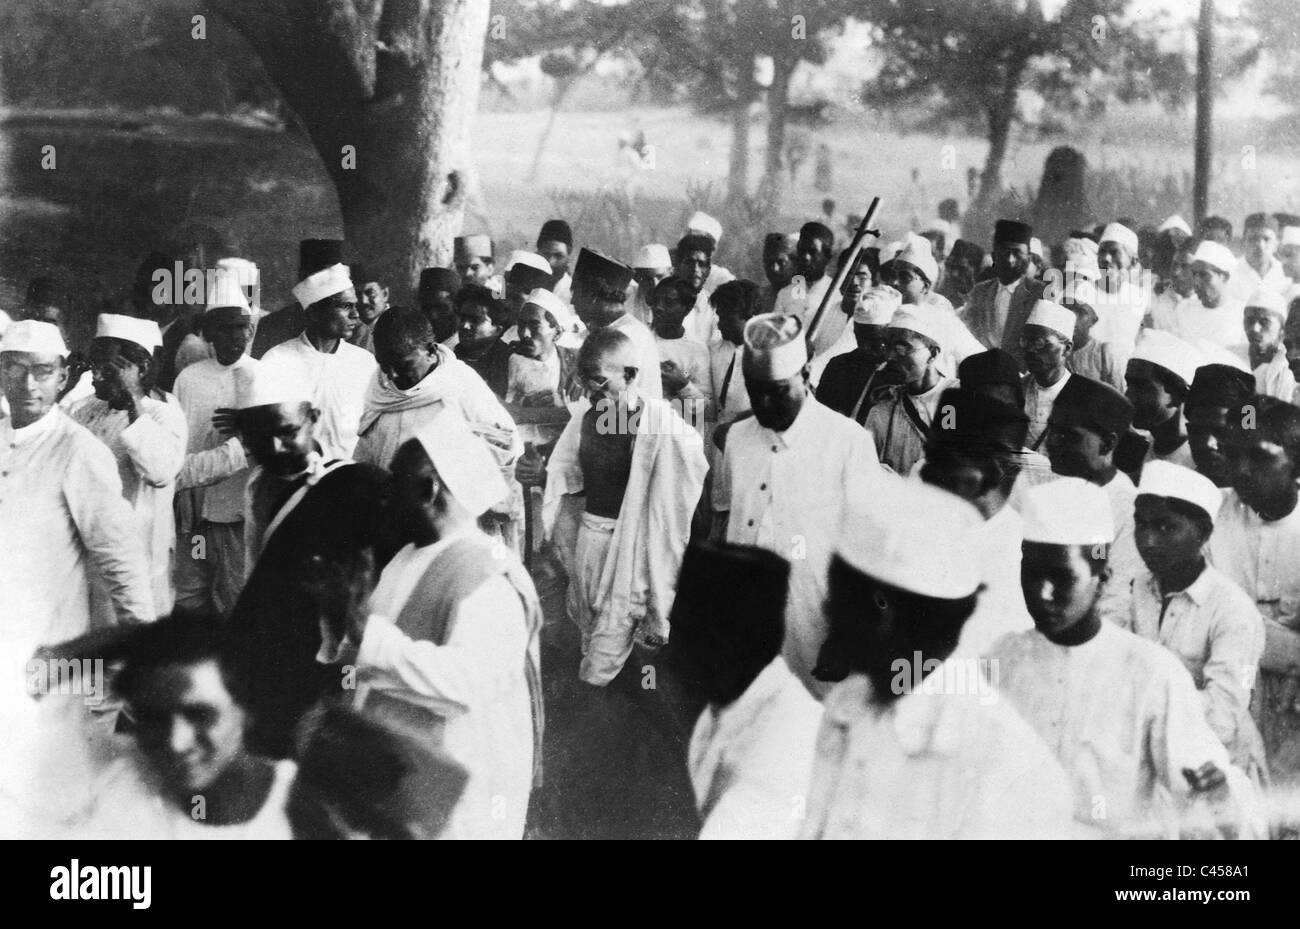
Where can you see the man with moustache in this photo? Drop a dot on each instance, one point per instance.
(600, 286)
(804, 294)
(694, 261)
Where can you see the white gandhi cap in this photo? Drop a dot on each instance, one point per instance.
(914, 537)
(774, 346)
(1052, 316)
(1166, 479)
(1216, 256)
(653, 256)
(142, 332)
(1158, 347)
(1067, 511)
(326, 283)
(270, 384)
(464, 465)
(703, 222)
(28, 335)
(1122, 235)
(876, 306)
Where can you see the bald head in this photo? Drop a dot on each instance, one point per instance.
(607, 364)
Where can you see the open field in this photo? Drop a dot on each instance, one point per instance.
(123, 182)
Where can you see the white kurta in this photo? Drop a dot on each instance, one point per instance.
(1222, 326)
(751, 761)
(1218, 635)
(1123, 717)
(787, 493)
(63, 521)
(126, 803)
(931, 766)
(1263, 558)
(701, 323)
(1245, 280)
(476, 681)
(149, 455)
(1274, 378)
(1001, 606)
(337, 383)
(216, 468)
(1125, 562)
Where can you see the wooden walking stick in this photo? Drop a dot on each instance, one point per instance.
(846, 268)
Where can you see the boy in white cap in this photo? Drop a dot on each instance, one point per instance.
(1122, 299)
(1045, 344)
(913, 746)
(66, 523)
(302, 511)
(1157, 379)
(651, 265)
(449, 645)
(640, 470)
(1193, 609)
(1121, 713)
(210, 567)
(334, 372)
(1265, 321)
(1256, 543)
(788, 470)
(913, 271)
(899, 422)
(1211, 312)
(147, 437)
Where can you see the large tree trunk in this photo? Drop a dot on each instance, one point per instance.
(387, 91)
(738, 169)
(1001, 114)
(778, 97)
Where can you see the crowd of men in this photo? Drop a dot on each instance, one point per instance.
(913, 540)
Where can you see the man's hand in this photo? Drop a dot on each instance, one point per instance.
(530, 469)
(226, 421)
(125, 380)
(673, 377)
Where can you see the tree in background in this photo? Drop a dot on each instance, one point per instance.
(970, 61)
(387, 91)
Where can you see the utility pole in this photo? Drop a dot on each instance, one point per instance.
(1204, 109)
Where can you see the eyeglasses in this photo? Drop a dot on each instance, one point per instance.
(903, 349)
(16, 370)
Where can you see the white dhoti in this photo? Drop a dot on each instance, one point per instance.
(604, 639)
